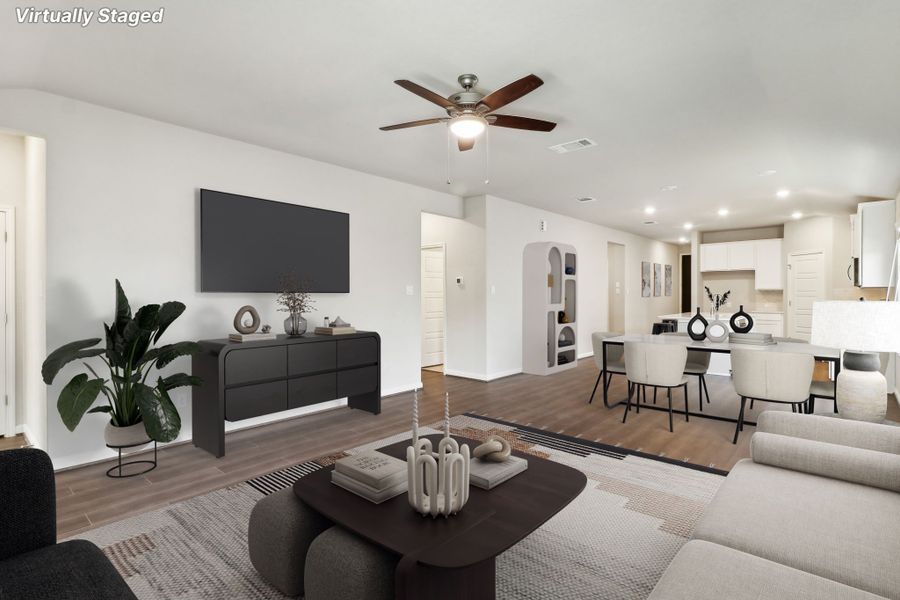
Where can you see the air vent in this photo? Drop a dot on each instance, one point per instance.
(587, 199)
(572, 146)
(649, 222)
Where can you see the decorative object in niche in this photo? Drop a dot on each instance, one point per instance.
(741, 322)
(437, 485)
(645, 279)
(668, 285)
(696, 327)
(494, 449)
(240, 325)
(657, 279)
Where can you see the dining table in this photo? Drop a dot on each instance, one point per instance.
(819, 353)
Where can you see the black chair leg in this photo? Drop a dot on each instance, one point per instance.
(740, 423)
(686, 410)
(705, 387)
(751, 403)
(700, 391)
(793, 408)
(637, 397)
(669, 395)
(595, 387)
(608, 381)
(654, 394)
(835, 402)
(628, 405)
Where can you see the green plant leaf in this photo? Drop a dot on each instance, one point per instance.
(123, 309)
(166, 354)
(101, 409)
(178, 380)
(115, 346)
(76, 398)
(66, 354)
(168, 312)
(161, 419)
(138, 332)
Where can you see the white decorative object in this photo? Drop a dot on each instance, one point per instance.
(438, 483)
(865, 327)
(494, 449)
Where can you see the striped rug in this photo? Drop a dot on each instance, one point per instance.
(612, 542)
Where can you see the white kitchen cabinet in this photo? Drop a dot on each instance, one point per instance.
(768, 323)
(769, 265)
(714, 257)
(741, 256)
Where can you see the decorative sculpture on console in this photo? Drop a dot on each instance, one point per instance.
(438, 482)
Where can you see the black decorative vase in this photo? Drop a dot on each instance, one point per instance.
(696, 327)
(739, 317)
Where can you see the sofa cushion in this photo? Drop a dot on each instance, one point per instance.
(842, 531)
(705, 571)
(72, 570)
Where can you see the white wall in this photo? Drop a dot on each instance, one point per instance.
(510, 226)
(122, 202)
(464, 305)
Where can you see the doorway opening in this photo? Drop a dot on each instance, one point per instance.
(615, 256)
(434, 304)
(685, 283)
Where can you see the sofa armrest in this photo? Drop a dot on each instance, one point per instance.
(843, 432)
(854, 465)
(27, 501)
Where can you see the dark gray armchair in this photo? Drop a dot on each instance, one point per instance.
(32, 564)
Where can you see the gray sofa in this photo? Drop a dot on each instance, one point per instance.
(814, 514)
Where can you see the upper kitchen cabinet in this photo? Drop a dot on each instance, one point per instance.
(762, 256)
(873, 243)
(713, 257)
(741, 256)
(769, 265)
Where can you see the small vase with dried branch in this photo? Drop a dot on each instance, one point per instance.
(294, 298)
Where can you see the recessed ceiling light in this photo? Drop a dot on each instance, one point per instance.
(688, 225)
(767, 173)
(783, 193)
(649, 210)
(796, 215)
(682, 240)
(586, 199)
(723, 212)
(668, 188)
(649, 222)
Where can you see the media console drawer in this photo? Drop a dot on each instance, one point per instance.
(255, 400)
(313, 389)
(312, 358)
(255, 364)
(357, 381)
(355, 352)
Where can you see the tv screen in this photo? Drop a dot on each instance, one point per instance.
(247, 244)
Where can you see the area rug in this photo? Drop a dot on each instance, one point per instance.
(612, 542)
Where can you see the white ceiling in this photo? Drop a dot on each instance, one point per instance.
(702, 94)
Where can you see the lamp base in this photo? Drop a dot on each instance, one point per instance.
(862, 395)
(862, 361)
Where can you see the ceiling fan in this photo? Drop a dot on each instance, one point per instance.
(470, 112)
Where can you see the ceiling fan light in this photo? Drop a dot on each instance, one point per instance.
(467, 126)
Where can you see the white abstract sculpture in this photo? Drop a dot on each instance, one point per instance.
(437, 485)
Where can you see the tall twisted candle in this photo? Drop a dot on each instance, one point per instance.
(446, 414)
(415, 424)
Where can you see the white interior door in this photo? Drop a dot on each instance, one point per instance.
(433, 304)
(806, 284)
(4, 379)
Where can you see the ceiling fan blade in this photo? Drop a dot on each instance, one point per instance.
(418, 90)
(465, 144)
(411, 124)
(514, 122)
(513, 91)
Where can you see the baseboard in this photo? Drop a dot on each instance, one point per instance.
(29, 435)
(480, 376)
(586, 355)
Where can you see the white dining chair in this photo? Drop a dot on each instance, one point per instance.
(659, 365)
(781, 377)
(697, 366)
(615, 361)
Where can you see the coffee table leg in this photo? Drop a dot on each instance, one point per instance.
(413, 581)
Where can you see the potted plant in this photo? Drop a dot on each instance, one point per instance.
(294, 299)
(138, 411)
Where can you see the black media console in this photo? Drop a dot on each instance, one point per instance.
(250, 379)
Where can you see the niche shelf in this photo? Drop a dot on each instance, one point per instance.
(550, 329)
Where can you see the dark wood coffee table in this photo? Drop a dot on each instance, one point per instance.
(444, 558)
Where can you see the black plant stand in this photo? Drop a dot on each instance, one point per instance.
(118, 468)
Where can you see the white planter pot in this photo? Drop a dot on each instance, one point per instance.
(133, 436)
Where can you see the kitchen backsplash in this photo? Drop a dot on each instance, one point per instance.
(743, 291)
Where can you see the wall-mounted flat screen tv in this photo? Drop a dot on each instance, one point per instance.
(248, 244)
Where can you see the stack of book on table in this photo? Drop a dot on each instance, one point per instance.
(488, 475)
(251, 337)
(374, 476)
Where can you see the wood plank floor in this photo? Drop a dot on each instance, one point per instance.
(87, 498)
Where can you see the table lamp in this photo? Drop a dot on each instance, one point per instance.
(861, 330)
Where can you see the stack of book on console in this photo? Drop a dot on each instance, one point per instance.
(753, 339)
(251, 337)
(374, 476)
(488, 475)
(335, 330)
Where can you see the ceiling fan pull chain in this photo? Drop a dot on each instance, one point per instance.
(487, 155)
(449, 139)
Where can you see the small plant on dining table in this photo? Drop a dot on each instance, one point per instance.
(717, 300)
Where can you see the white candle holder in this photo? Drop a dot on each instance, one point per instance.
(438, 483)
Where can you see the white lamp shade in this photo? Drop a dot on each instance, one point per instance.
(853, 325)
